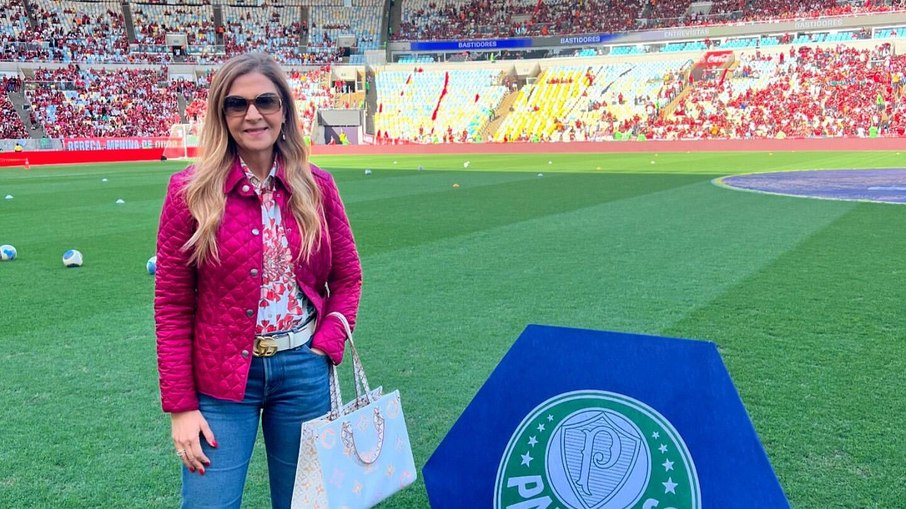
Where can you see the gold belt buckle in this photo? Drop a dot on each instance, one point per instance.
(265, 346)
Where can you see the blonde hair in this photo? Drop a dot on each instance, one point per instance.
(218, 152)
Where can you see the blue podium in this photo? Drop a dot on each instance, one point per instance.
(582, 419)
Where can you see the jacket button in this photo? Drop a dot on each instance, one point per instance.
(254, 272)
(245, 354)
(249, 312)
(255, 231)
(245, 188)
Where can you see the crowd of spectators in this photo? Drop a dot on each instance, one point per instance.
(65, 31)
(803, 92)
(72, 102)
(153, 21)
(452, 19)
(276, 30)
(772, 10)
(434, 19)
(312, 91)
(813, 92)
(94, 32)
(361, 19)
(197, 102)
(810, 92)
(11, 126)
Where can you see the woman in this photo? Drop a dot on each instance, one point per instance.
(254, 251)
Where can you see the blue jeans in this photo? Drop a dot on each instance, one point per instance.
(282, 392)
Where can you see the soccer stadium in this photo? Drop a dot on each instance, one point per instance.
(729, 172)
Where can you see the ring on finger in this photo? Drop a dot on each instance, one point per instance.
(181, 452)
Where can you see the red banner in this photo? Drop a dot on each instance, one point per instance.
(717, 58)
(40, 157)
(134, 143)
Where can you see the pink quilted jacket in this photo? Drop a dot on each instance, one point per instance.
(206, 315)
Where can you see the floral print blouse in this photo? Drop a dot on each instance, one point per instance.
(282, 305)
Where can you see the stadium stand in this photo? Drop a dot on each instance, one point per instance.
(482, 19)
(427, 106)
(362, 20)
(153, 21)
(66, 31)
(430, 19)
(274, 29)
(12, 126)
(72, 102)
(578, 103)
(312, 92)
(814, 83)
(813, 92)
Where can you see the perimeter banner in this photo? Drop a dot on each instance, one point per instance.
(582, 419)
(468, 45)
(137, 142)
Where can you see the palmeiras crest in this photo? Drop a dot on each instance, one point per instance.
(601, 456)
(591, 449)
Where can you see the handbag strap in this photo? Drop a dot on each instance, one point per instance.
(362, 388)
(336, 399)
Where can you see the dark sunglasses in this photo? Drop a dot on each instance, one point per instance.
(235, 106)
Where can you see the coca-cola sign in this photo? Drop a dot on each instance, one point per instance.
(717, 58)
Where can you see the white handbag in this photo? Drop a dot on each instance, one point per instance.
(358, 454)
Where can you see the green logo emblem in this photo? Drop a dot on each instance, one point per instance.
(596, 450)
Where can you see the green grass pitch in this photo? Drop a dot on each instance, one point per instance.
(804, 298)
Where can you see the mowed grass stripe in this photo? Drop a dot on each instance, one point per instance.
(357, 187)
(815, 344)
(409, 220)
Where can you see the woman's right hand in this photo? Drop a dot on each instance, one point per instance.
(188, 428)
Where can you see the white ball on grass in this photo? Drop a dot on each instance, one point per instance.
(151, 266)
(367, 172)
(9, 197)
(466, 164)
(7, 253)
(72, 258)
(120, 201)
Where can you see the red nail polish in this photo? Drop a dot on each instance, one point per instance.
(214, 444)
(192, 469)
(201, 471)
